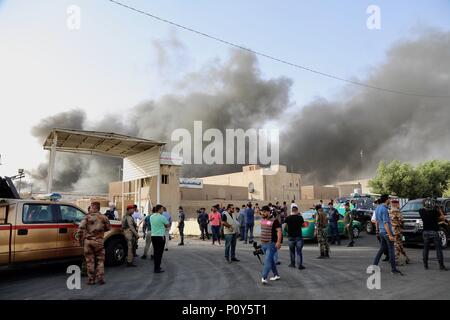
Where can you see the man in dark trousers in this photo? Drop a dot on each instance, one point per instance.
(181, 218)
(333, 221)
(294, 224)
(203, 221)
(431, 216)
(158, 224)
(386, 233)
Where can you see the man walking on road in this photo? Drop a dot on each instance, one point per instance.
(203, 222)
(249, 223)
(431, 216)
(168, 216)
(93, 228)
(241, 220)
(386, 233)
(148, 237)
(334, 219)
(294, 224)
(230, 230)
(181, 218)
(321, 224)
(270, 243)
(397, 224)
(348, 222)
(158, 224)
(131, 234)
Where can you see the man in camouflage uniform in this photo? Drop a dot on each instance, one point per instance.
(92, 231)
(348, 222)
(321, 224)
(131, 234)
(397, 225)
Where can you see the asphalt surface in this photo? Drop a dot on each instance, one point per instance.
(198, 271)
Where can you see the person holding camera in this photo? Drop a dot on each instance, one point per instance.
(431, 215)
(230, 230)
(270, 243)
(294, 224)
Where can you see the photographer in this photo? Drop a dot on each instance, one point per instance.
(431, 215)
(270, 243)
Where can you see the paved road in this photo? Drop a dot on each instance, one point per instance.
(198, 271)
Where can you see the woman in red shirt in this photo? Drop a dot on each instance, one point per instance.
(215, 218)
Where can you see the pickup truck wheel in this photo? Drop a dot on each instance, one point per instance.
(369, 227)
(115, 252)
(355, 232)
(444, 238)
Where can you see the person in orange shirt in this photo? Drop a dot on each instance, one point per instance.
(215, 219)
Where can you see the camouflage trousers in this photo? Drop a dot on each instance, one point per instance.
(322, 239)
(131, 246)
(400, 253)
(94, 253)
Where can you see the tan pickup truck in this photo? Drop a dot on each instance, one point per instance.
(36, 230)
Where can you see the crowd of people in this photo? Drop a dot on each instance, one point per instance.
(232, 223)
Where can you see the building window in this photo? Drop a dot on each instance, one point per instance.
(164, 179)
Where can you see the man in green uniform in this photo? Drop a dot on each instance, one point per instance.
(348, 222)
(321, 224)
(131, 234)
(92, 231)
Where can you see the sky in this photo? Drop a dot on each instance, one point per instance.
(109, 65)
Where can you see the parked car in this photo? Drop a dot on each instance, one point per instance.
(36, 230)
(309, 225)
(413, 225)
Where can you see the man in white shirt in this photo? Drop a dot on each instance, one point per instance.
(137, 216)
(293, 204)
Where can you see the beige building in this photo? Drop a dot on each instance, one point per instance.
(346, 188)
(143, 192)
(214, 192)
(274, 184)
(319, 192)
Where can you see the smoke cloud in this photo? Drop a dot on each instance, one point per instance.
(321, 140)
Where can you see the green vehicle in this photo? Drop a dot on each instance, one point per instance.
(308, 226)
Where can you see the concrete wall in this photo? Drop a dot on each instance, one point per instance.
(209, 192)
(281, 186)
(319, 192)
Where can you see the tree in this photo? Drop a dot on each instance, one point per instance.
(428, 179)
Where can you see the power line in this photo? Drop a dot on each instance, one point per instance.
(324, 74)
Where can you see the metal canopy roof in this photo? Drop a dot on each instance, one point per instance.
(98, 143)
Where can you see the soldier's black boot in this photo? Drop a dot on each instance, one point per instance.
(442, 267)
(327, 254)
(130, 265)
(322, 256)
(425, 265)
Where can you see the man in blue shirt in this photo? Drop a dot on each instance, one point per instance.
(249, 223)
(168, 216)
(386, 233)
